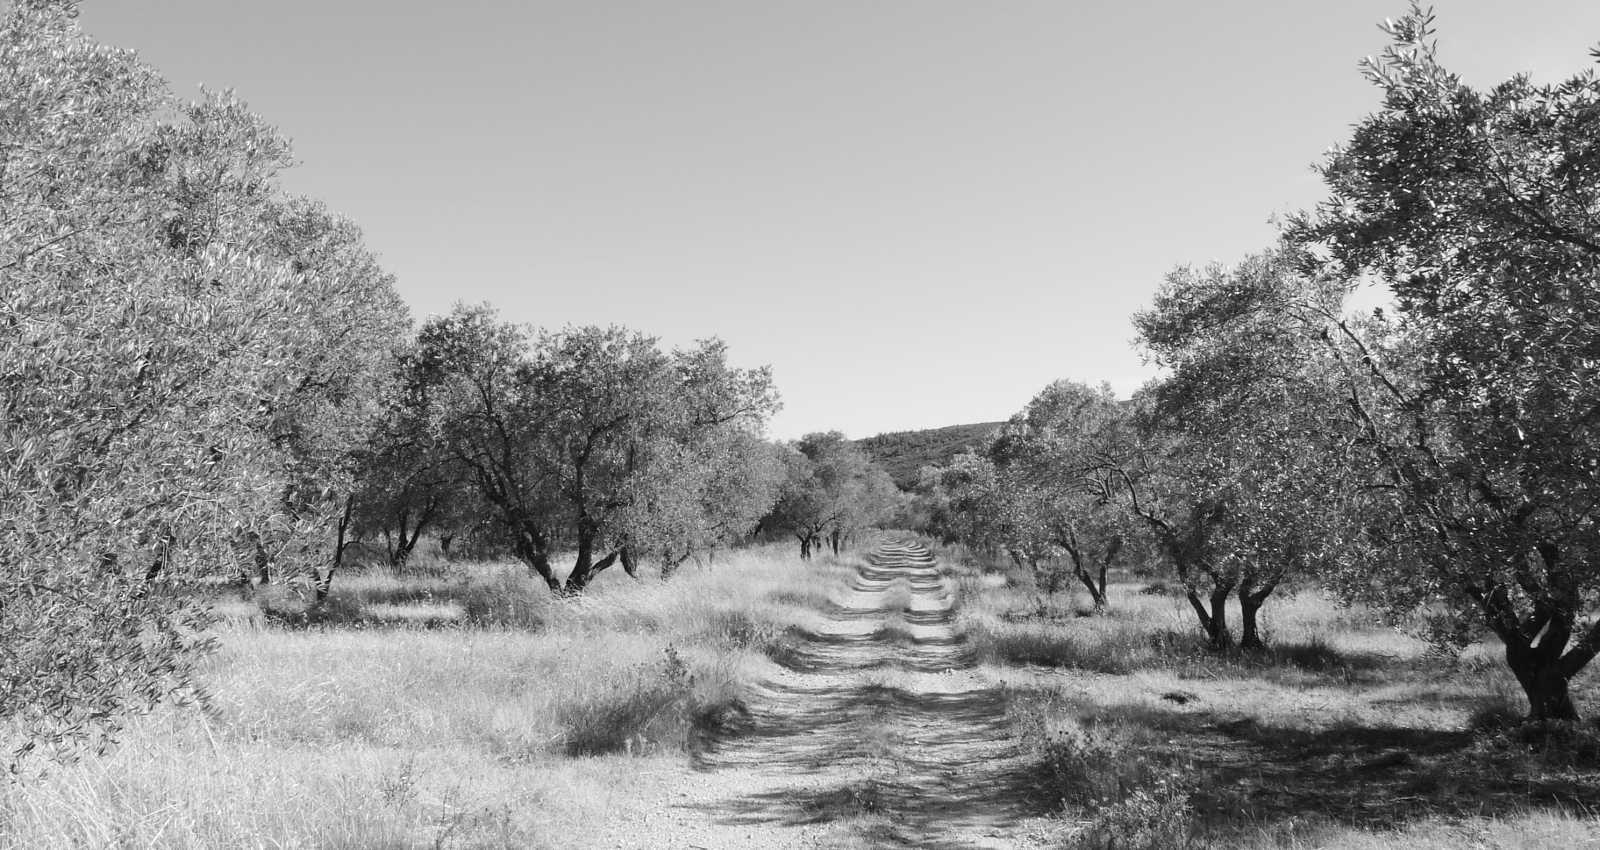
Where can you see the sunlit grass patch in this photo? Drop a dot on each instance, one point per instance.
(1140, 634)
(171, 785)
(1499, 706)
(1344, 731)
(427, 709)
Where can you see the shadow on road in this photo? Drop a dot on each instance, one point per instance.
(887, 745)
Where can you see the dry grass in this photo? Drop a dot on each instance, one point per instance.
(437, 711)
(1343, 733)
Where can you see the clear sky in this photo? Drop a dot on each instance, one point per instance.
(917, 212)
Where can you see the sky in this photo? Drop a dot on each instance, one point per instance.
(919, 213)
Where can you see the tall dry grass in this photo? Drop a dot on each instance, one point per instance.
(1152, 627)
(1345, 732)
(466, 710)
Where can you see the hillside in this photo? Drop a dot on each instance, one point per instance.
(902, 453)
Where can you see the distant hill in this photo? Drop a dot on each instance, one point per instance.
(902, 453)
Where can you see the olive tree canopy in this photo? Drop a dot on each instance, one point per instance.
(1481, 211)
(188, 354)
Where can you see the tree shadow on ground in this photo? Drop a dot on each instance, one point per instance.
(1245, 775)
(1379, 777)
(896, 766)
(895, 644)
(912, 765)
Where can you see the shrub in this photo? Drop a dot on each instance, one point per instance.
(739, 629)
(636, 709)
(1148, 819)
(506, 599)
(1080, 763)
(288, 607)
(1085, 768)
(1499, 706)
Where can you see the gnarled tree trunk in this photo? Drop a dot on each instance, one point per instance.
(1537, 650)
(404, 539)
(1095, 584)
(1215, 621)
(532, 548)
(1249, 632)
(670, 561)
(1253, 593)
(585, 571)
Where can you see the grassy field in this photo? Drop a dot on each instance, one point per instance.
(460, 706)
(1344, 733)
(463, 708)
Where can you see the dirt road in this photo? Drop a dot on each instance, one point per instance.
(874, 732)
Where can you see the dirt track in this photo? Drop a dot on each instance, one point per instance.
(875, 732)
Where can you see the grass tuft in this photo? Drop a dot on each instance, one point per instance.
(1157, 818)
(641, 711)
(504, 599)
(1499, 707)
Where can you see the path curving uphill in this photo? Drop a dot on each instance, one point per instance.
(874, 732)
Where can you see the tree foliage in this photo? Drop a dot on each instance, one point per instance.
(831, 491)
(1050, 464)
(1481, 211)
(1245, 436)
(188, 356)
(595, 439)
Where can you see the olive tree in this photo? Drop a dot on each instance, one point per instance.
(831, 491)
(1245, 437)
(1049, 467)
(585, 437)
(968, 502)
(711, 494)
(1480, 209)
(186, 350)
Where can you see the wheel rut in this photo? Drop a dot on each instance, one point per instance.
(876, 731)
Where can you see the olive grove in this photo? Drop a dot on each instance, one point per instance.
(1436, 458)
(594, 440)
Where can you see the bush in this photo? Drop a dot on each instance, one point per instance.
(1080, 762)
(286, 606)
(1153, 819)
(739, 629)
(506, 599)
(1090, 766)
(639, 709)
(1499, 707)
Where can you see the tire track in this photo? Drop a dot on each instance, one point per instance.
(875, 729)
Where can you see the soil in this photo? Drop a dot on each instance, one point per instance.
(874, 730)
